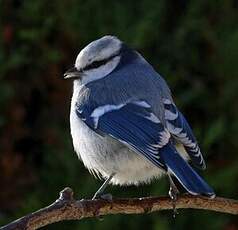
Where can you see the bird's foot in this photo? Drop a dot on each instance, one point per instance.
(107, 196)
(173, 193)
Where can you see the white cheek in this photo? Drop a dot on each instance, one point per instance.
(102, 71)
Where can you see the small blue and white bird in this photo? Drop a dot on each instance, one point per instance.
(124, 123)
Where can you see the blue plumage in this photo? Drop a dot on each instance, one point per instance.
(180, 129)
(122, 107)
(135, 125)
(131, 125)
(190, 179)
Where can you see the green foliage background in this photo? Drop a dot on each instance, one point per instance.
(193, 44)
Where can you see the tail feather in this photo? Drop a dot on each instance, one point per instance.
(185, 174)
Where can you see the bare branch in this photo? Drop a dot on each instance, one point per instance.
(66, 208)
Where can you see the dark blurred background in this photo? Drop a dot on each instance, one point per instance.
(193, 44)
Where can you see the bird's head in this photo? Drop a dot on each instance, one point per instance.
(96, 60)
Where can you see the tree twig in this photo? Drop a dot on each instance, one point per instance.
(67, 208)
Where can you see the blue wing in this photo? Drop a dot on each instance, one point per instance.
(133, 123)
(188, 177)
(180, 129)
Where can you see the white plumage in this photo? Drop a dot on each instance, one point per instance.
(124, 124)
(96, 153)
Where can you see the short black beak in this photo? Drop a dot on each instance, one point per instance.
(72, 73)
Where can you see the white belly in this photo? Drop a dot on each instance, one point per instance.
(104, 156)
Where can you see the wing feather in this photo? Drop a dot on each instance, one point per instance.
(133, 124)
(181, 131)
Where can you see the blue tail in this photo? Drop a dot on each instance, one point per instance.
(189, 179)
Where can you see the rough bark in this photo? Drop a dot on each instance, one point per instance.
(67, 208)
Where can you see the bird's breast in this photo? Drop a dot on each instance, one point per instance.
(104, 155)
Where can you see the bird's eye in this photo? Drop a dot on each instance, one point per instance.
(97, 64)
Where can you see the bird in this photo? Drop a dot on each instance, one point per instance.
(125, 126)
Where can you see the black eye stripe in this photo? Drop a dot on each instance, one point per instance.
(96, 64)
